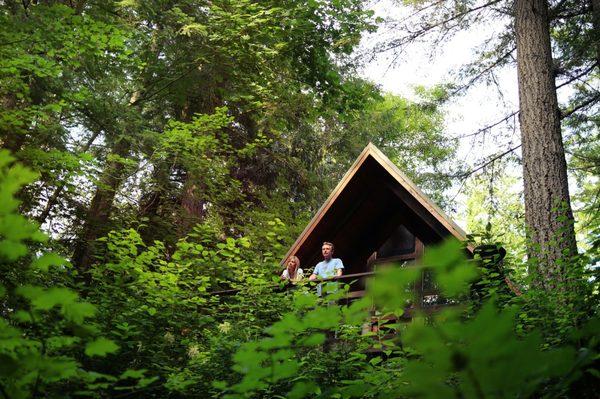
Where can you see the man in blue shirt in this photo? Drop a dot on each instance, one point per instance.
(329, 267)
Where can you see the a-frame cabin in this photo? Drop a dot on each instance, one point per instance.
(375, 214)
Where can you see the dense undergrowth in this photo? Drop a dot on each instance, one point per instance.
(144, 324)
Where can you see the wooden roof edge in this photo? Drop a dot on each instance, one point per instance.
(328, 202)
(416, 192)
(383, 160)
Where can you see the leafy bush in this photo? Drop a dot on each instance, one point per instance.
(47, 333)
(455, 352)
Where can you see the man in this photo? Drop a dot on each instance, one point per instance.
(329, 267)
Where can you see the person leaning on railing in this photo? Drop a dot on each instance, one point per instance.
(292, 271)
(329, 266)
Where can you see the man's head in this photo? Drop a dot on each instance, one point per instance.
(327, 250)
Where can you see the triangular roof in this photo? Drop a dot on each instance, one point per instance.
(370, 201)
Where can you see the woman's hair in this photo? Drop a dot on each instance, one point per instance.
(296, 260)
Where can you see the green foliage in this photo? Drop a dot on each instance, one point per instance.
(157, 304)
(15, 230)
(47, 48)
(482, 357)
(42, 329)
(291, 356)
(411, 134)
(495, 216)
(584, 161)
(101, 347)
(188, 143)
(168, 115)
(450, 353)
(495, 211)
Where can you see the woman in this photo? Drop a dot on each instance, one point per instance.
(292, 271)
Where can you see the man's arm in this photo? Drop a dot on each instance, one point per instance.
(339, 268)
(315, 273)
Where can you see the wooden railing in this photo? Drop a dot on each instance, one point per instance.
(288, 284)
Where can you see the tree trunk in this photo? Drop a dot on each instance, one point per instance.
(96, 223)
(193, 203)
(152, 203)
(548, 214)
(10, 140)
(193, 196)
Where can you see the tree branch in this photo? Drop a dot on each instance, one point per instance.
(576, 77)
(41, 218)
(488, 162)
(146, 96)
(560, 11)
(420, 10)
(484, 71)
(425, 29)
(589, 101)
(488, 127)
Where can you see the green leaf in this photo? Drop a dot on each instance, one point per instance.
(100, 347)
(23, 316)
(194, 29)
(77, 312)
(314, 339)
(134, 374)
(50, 259)
(453, 272)
(302, 389)
(143, 382)
(54, 297)
(11, 250)
(59, 342)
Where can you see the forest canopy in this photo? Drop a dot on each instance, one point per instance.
(154, 153)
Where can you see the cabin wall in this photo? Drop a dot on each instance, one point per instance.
(397, 245)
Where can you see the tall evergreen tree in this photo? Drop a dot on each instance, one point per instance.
(563, 26)
(548, 212)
